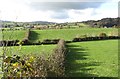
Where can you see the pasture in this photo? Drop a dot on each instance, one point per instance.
(84, 59)
(14, 34)
(93, 59)
(68, 34)
(30, 49)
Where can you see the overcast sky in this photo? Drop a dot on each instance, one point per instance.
(57, 11)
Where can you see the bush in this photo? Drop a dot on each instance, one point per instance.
(76, 40)
(49, 41)
(102, 35)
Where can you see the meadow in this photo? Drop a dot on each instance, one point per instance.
(93, 59)
(84, 59)
(14, 34)
(30, 50)
(68, 34)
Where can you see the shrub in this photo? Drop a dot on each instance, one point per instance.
(49, 41)
(27, 66)
(76, 40)
(102, 35)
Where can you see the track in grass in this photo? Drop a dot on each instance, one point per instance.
(67, 34)
(93, 59)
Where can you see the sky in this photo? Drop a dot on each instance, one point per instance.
(57, 11)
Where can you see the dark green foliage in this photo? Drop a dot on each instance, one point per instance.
(9, 42)
(103, 36)
(49, 41)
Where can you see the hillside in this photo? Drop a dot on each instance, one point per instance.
(105, 22)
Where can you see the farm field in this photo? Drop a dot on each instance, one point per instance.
(32, 49)
(93, 59)
(67, 34)
(14, 35)
(84, 59)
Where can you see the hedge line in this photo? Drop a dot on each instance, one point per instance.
(53, 41)
(15, 42)
(54, 65)
(94, 38)
(9, 43)
(26, 38)
(57, 59)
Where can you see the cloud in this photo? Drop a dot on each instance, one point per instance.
(69, 0)
(60, 9)
(57, 10)
(60, 15)
(55, 6)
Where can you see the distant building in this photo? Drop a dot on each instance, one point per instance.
(29, 26)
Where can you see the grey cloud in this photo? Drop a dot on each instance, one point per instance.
(60, 9)
(55, 6)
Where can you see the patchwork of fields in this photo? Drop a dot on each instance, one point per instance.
(84, 59)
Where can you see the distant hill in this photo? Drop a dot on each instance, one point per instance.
(42, 22)
(34, 22)
(105, 22)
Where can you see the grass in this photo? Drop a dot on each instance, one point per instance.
(1, 75)
(14, 35)
(93, 59)
(67, 34)
(32, 49)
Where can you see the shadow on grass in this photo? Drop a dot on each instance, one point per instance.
(75, 65)
(33, 36)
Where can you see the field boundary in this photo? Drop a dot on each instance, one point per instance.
(26, 41)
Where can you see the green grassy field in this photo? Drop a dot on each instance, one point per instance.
(67, 34)
(14, 35)
(32, 49)
(96, 58)
(84, 59)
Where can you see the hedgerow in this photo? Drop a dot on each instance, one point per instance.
(37, 66)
